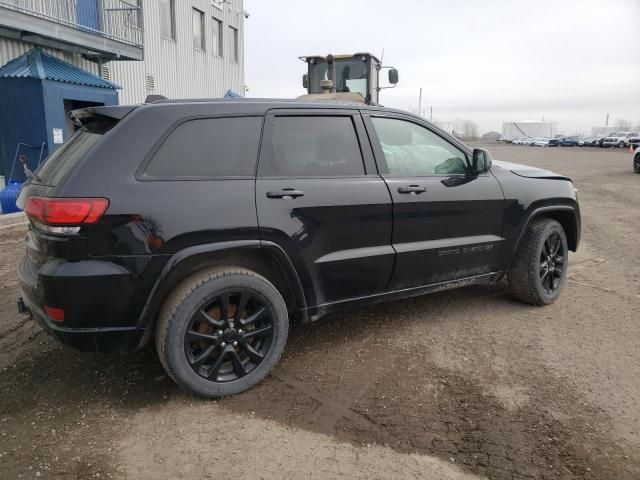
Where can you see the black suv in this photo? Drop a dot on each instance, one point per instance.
(211, 225)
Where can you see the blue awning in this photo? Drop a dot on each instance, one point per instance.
(40, 65)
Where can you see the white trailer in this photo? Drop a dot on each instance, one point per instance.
(528, 129)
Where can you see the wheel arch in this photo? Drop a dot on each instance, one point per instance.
(569, 221)
(566, 215)
(269, 260)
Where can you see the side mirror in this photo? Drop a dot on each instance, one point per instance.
(480, 160)
(393, 76)
(305, 80)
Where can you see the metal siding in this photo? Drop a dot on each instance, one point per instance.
(179, 70)
(10, 49)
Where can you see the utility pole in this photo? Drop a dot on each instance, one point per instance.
(431, 114)
(606, 122)
(420, 103)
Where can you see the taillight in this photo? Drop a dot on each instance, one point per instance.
(65, 215)
(54, 313)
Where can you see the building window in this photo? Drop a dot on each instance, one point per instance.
(167, 18)
(233, 43)
(216, 37)
(198, 29)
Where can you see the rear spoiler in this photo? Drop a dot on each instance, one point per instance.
(83, 116)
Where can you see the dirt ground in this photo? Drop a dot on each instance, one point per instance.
(457, 385)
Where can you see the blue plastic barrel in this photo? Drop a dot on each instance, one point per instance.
(9, 195)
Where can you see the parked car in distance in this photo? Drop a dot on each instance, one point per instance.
(600, 141)
(569, 141)
(218, 223)
(540, 142)
(634, 140)
(620, 140)
(555, 142)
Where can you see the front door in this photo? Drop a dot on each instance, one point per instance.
(317, 200)
(447, 221)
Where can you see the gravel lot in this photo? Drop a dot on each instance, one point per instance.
(460, 384)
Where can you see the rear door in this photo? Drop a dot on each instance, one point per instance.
(320, 199)
(447, 221)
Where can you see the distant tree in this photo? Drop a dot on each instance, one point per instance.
(623, 124)
(466, 129)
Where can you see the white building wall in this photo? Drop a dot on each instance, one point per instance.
(178, 69)
(603, 130)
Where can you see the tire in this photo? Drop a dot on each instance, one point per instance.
(621, 145)
(527, 279)
(636, 163)
(205, 350)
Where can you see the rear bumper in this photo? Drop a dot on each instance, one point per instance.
(87, 328)
(103, 340)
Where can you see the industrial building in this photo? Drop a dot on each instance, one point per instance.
(528, 129)
(59, 55)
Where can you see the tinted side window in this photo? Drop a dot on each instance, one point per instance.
(410, 149)
(210, 147)
(314, 147)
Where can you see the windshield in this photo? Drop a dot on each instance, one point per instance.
(351, 76)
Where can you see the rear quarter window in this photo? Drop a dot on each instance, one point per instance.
(208, 148)
(60, 164)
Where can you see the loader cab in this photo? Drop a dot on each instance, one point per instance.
(358, 73)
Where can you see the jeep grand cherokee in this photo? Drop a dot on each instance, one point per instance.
(209, 226)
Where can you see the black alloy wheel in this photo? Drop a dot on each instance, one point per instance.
(552, 263)
(539, 269)
(229, 335)
(636, 163)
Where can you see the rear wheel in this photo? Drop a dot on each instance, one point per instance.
(220, 332)
(540, 268)
(636, 163)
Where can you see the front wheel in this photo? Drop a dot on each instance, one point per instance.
(221, 332)
(636, 163)
(539, 269)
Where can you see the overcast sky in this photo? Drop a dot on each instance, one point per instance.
(569, 61)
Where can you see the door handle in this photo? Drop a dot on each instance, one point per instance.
(415, 189)
(287, 193)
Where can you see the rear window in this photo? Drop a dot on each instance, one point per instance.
(210, 147)
(64, 160)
